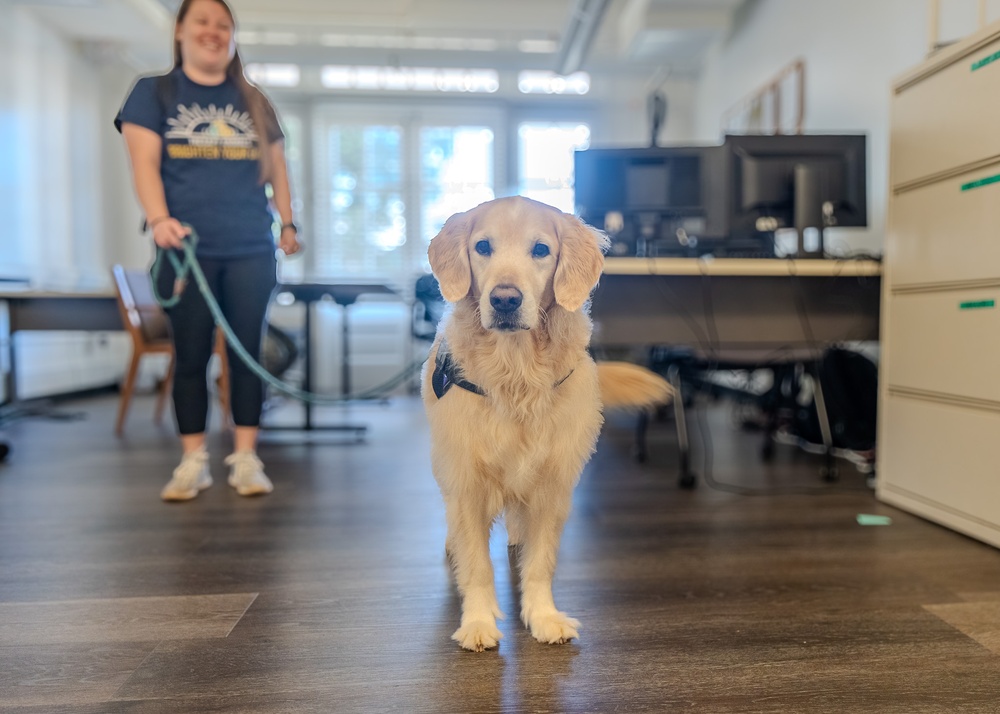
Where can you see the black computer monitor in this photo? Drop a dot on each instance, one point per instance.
(809, 182)
(667, 200)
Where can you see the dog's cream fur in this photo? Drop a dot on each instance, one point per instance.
(519, 448)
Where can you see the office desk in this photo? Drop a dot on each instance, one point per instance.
(736, 314)
(344, 294)
(41, 310)
(753, 305)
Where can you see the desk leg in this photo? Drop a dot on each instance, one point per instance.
(687, 478)
(307, 379)
(829, 469)
(345, 369)
(307, 385)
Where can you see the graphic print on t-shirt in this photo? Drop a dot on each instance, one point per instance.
(212, 133)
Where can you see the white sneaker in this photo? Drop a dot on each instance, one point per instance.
(189, 479)
(246, 474)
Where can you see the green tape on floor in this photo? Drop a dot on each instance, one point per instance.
(868, 519)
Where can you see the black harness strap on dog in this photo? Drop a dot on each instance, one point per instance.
(446, 375)
(562, 380)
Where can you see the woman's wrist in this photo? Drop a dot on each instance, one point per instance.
(158, 220)
(289, 226)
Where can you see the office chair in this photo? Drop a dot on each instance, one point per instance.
(149, 328)
(428, 307)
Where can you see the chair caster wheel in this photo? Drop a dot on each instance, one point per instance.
(829, 474)
(687, 481)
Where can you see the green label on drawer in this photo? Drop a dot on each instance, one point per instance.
(976, 304)
(981, 182)
(985, 61)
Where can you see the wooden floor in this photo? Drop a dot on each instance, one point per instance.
(332, 594)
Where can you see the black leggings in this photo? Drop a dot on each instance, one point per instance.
(242, 287)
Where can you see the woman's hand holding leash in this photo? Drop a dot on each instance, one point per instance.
(168, 232)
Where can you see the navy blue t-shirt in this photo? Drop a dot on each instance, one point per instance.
(209, 165)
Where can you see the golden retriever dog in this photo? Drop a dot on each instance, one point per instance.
(514, 400)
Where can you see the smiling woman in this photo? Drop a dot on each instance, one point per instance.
(207, 155)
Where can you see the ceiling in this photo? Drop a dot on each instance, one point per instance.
(638, 36)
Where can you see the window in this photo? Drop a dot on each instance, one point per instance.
(456, 165)
(360, 205)
(545, 160)
(385, 180)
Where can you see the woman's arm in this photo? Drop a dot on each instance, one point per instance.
(144, 148)
(282, 199)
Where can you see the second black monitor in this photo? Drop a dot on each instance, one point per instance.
(805, 182)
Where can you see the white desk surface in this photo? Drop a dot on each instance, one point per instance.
(776, 267)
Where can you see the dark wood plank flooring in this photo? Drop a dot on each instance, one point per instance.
(332, 594)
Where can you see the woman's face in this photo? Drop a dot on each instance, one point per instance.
(206, 36)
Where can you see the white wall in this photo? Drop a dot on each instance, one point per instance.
(68, 207)
(52, 207)
(853, 50)
(622, 119)
(119, 205)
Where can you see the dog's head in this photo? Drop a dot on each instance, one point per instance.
(516, 258)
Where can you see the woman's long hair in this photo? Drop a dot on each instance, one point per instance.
(255, 100)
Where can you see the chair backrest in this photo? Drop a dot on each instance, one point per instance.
(143, 317)
(430, 307)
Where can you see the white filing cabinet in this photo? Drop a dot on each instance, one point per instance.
(939, 395)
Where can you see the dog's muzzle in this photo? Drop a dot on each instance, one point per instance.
(505, 300)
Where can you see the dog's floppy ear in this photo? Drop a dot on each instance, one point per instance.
(581, 259)
(449, 257)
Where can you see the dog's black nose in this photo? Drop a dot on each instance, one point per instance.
(505, 298)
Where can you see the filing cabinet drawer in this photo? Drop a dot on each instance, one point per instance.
(945, 342)
(943, 232)
(943, 461)
(948, 119)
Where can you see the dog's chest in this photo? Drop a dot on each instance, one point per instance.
(552, 443)
(524, 453)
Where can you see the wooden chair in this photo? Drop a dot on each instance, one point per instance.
(149, 328)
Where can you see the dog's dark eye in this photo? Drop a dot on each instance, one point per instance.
(483, 247)
(540, 250)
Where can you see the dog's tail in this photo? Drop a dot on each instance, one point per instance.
(625, 385)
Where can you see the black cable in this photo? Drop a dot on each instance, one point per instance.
(709, 308)
(673, 300)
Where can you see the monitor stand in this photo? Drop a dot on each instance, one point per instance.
(801, 251)
(812, 211)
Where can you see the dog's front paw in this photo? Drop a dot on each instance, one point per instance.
(554, 629)
(478, 636)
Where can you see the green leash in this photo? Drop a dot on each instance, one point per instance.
(189, 265)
